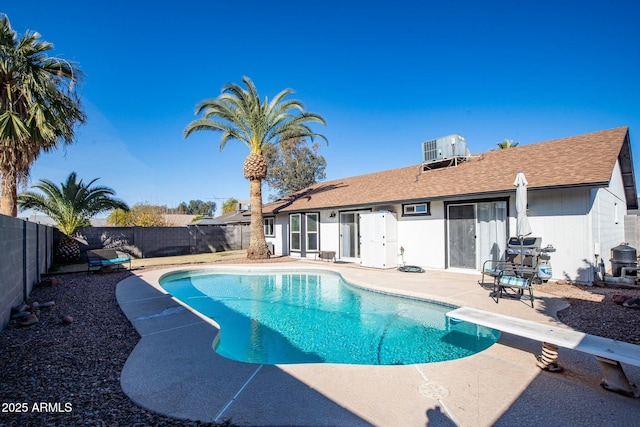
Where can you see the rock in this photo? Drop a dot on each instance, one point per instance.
(20, 308)
(632, 303)
(619, 299)
(50, 281)
(20, 314)
(29, 320)
(47, 304)
(66, 320)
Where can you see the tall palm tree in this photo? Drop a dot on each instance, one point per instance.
(39, 106)
(70, 205)
(239, 114)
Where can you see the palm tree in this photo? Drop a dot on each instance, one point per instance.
(239, 114)
(507, 143)
(71, 205)
(39, 106)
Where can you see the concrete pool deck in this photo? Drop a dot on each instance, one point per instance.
(174, 370)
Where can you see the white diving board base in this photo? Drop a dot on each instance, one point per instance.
(608, 352)
(567, 338)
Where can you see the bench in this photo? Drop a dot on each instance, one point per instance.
(326, 255)
(106, 258)
(609, 353)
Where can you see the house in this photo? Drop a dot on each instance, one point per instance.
(237, 217)
(206, 221)
(457, 215)
(241, 215)
(178, 220)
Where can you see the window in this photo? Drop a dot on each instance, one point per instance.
(294, 227)
(416, 209)
(312, 232)
(304, 232)
(268, 227)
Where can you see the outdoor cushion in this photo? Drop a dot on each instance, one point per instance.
(514, 282)
(94, 262)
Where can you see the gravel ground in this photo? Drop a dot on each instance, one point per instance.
(55, 374)
(593, 310)
(74, 369)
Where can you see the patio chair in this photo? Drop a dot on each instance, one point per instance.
(493, 269)
(106, 258)
(522, 278)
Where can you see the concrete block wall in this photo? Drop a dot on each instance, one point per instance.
(26, 251)
(217, 239)
(163, 241)
(149, 242)
(108, 237)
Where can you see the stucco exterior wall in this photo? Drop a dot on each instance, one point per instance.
(329, 231)
(608, 212)
(561, 218)
(280, 240)
(423, 237)
(578, 223)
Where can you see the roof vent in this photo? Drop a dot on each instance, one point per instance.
(447, 150)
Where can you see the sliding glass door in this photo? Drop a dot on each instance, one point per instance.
(477, 232)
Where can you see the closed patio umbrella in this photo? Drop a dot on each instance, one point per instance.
(523, 228)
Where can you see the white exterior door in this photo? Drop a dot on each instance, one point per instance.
(378, 240)
(350, 235)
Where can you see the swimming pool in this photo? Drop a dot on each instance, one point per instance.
(307, 316)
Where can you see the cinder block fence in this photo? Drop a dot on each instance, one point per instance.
(26, 249)
(25, 253)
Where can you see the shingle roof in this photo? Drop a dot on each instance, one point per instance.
(178, 220)
(241, 216)
(206, 221)
(584, 160)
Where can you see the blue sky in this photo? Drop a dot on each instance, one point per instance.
(385, 75)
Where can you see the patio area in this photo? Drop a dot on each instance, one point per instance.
(175, 371)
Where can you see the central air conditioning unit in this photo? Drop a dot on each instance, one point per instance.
(443, 148)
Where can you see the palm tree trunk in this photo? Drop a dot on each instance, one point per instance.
(9, 193)
(258, 244)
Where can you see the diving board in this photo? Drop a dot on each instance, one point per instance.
(609, 352)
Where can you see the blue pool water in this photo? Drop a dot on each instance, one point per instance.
(283, 317)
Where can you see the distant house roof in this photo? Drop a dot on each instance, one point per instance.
(236, 217)
(584, 160)
(206, 221)
(178, 220)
